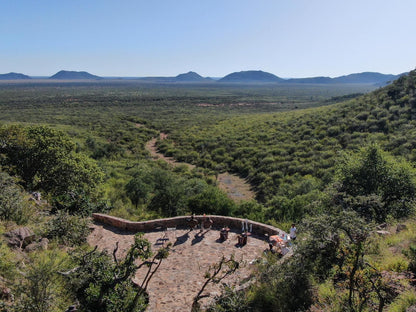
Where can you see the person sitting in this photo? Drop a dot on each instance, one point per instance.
(192, 222)
(224, 233)
(207, 223)
(242, 239)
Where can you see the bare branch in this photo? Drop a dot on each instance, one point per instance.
(114, 254)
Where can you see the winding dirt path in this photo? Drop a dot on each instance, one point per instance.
(151, 147)
(236, 188)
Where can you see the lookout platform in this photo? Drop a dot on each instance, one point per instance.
(181, 275)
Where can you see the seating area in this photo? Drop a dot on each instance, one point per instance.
(193, 250)
(279, 243)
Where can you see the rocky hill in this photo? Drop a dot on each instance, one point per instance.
(13, 76)
(189, 77)
(74, 75)
(365, 78)
(251, 76)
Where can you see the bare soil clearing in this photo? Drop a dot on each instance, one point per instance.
(236, 188)
(151, 147)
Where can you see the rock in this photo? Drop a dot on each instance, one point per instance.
(20, 237)
(383, 233)
(41, 244)
(5, 293)
(382, 226)
(401, 227)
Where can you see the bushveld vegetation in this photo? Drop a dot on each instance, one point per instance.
(337, 164)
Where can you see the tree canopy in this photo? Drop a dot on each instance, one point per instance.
(46, 159)
(376, 185)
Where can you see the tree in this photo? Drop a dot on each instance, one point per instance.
(376, 185)
(335, 246)
(215, 274)
(138, 190)
(46, 160)
(211, 201)
(78, 202)
(332, 248)
(68, 230)
(281, 286)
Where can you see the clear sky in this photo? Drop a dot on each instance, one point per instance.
(289, 38)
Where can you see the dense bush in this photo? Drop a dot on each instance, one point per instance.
(43, 289)
(78, 202)
(13, 204)
(376, 185)
(45, 159)
(68, 230)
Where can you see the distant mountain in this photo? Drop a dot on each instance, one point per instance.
(186, 77)
(256, 76)
(13, 76)
(189, 77)
(74, 75)
(365, 77)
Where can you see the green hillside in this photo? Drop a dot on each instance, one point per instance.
(276, 151)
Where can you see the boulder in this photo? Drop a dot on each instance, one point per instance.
(383, 233)
(41, 244)
(401, 227)
(20, 237)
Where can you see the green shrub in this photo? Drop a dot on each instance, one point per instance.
(411, 255)
(230, 301)
(13, 205)
(397, 265)
(68, 230)
(42, 289)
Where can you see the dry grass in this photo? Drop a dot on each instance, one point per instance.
(390, 255)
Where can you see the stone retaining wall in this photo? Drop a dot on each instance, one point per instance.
(235, 224)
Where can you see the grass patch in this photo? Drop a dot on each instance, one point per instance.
(403, 301)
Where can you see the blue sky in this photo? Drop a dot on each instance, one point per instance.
(289, 38)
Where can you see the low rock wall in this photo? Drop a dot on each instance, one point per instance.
(235, 224)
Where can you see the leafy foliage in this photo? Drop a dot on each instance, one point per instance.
(45, 160)
(79, 203)
(230, 301)
(376, 185)
(68, 230)
(13, 205)
(42, 290)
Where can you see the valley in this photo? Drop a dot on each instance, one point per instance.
(336, 159)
